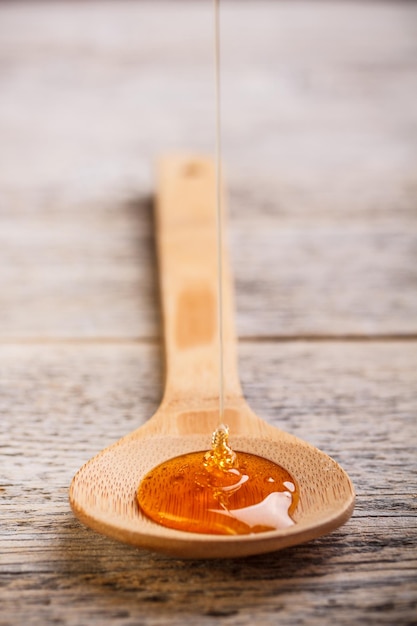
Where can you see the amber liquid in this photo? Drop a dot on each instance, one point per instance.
(181, 493)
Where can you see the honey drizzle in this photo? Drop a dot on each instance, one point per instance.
(219, 492)
(219, 230)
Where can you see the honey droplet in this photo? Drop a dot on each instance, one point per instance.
(219, 492)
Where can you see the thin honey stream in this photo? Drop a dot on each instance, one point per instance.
(219, 491)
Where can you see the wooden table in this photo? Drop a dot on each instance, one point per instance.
(320, 136)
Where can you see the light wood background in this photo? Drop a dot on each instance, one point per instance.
(320, 141)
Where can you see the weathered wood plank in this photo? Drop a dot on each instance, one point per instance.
(320, 149)
(61, 403)
(71, 270)
(90, 270)
(320, 145)
(308, 585)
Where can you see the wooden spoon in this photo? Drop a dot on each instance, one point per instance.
(103, 492)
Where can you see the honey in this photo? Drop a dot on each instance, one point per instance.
(219, 492)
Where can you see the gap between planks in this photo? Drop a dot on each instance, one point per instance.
(382, 337)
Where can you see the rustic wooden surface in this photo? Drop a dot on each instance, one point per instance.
(320, 142)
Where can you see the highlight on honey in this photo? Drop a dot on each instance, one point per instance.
(219, 491)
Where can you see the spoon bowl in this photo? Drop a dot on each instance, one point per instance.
(103, 492)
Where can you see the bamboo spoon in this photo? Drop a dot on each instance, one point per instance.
(102, 493)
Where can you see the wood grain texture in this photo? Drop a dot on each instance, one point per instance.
(65, 402)
(320, 152)
(320, 145)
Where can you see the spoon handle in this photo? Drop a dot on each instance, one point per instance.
(187, 239)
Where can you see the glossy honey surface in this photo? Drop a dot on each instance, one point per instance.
(219, 492)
